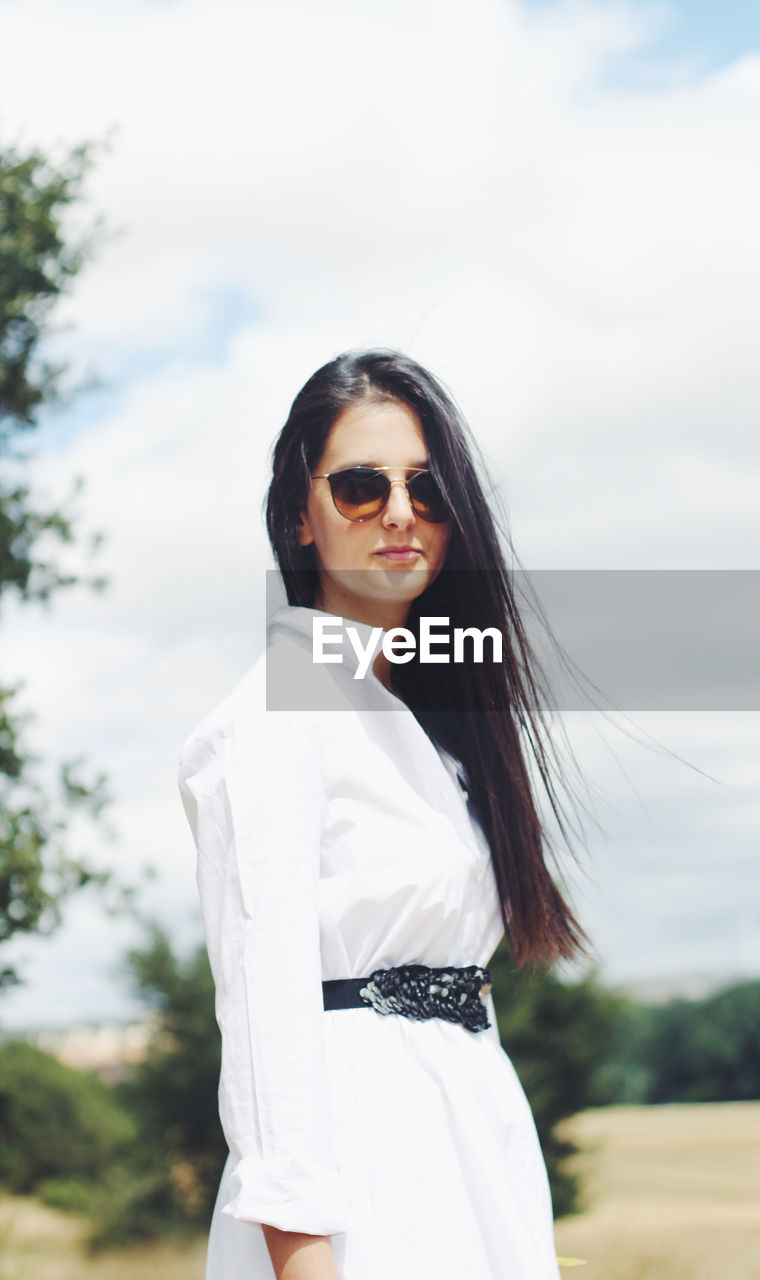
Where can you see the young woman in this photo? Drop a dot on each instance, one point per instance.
(364, 841)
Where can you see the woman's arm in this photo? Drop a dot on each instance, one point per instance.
(254, 795)
(300, 1257)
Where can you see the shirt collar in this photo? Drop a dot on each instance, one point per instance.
(300, 619)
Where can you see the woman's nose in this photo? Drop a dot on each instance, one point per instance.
(398, 509)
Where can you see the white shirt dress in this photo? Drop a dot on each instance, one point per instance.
(331, 842)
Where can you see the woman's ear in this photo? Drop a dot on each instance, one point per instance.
(305, 535)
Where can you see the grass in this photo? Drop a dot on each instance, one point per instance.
(672, 1194)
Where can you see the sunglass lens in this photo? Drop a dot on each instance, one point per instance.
(427, 499)
(359, 494)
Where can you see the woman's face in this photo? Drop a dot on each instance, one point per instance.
(357, 580)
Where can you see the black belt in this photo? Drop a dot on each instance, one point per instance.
(417, 991)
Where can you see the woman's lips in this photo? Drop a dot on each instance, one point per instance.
(402, 556)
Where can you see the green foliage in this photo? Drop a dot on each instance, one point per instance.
(141, 1159)
(167, 1181)
(557, 1035)
(78, 1145)
(137, 1202)
(37, 263)
(130, 1203)
(173, 1093)
(36, 872)
(727, 1042)
(39, 259)
(690, 1050)
(55, 1122)
(73, 1195)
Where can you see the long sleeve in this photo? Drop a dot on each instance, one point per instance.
(255, 802)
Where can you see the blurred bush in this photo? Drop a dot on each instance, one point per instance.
(167, 1181)
(55, 1122)
(70, 1194)
(172, 1094)
(689, 1050)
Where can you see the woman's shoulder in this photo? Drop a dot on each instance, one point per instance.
(255, 710)
(245, 697)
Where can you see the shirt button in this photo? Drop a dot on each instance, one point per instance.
(478, 877)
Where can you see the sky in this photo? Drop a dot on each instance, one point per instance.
(554, 207)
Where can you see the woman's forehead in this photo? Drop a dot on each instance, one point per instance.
(377, 434)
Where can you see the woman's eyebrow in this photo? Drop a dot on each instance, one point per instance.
(410, 466)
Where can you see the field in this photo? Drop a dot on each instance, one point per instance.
(673, 1194)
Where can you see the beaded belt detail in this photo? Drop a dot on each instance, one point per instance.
(417, 991)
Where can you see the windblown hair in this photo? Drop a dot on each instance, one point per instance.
(488, 715)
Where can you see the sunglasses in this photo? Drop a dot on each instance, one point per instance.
(361, 493)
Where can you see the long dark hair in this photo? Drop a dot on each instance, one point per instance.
(477, 711)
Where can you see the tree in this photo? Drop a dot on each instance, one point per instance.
(56, 1122)
(173, 1092)
(690, 1050)
(727, 1039)
(38, 262)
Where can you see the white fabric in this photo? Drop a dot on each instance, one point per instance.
(331, 843)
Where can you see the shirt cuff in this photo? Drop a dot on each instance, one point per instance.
(290, 1195)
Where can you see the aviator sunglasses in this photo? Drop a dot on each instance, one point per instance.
(361, 493)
